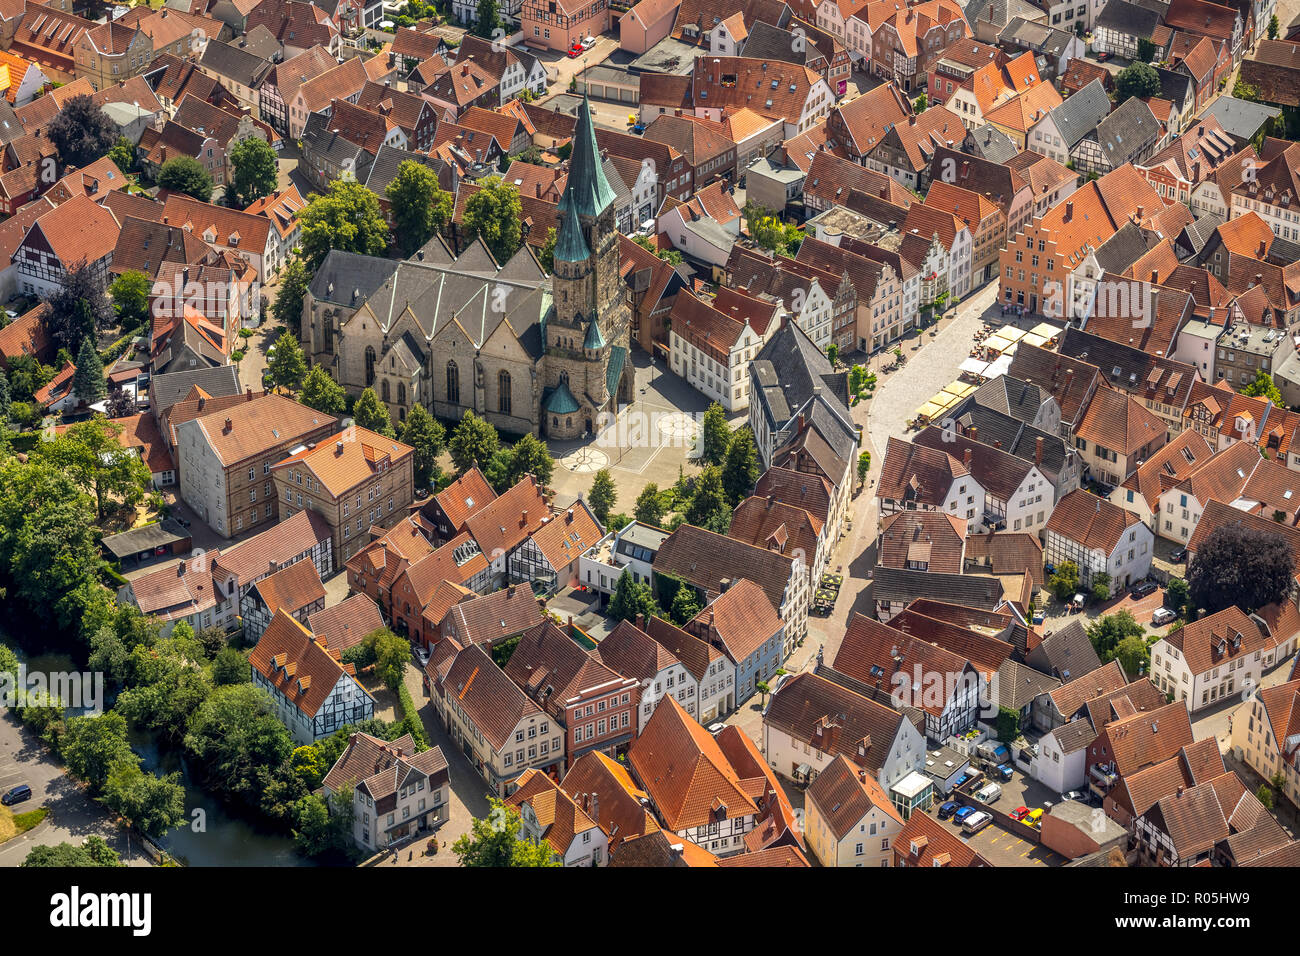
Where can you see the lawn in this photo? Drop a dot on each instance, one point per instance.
(11, 824)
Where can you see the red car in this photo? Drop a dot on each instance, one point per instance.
(1103, 56)
(1019, 813)
(574, 54)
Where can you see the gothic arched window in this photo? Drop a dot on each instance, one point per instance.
(401, 393)
(370, 365)
(453, 383)
(503, 386)
(385, 394)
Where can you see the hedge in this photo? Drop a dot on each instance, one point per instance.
(412, 719)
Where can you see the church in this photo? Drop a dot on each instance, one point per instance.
(526, 351)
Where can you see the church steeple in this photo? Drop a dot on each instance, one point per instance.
(587, 192)
(570, 246)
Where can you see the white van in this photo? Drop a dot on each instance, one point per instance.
(989, 793)
(977, 821)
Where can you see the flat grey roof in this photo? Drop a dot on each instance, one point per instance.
(127, 544)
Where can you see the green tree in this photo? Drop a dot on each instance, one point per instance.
(685, 605)
(1065, 581)
(369, 412)
(715, 433)
(1263, 387)
(1101, 586)
(487, 20)
(1176, 594)
(530, 456)
(1107, 632)
(88, 381)
(94, 852)
(1273, 27)
(295, 277)
(1008, 727)
(154, 804)
(769, 232)
(346, 217)
(92, 746)
(1133, 654)
(631, 598)
(473, 443)
(1239, 565)
(91, 455)
(321, 392)
(80, 131)
(286, 366)
(122, 153)
(230, 666)
(1146, 50)
(256, 172)
(649, 508)
(130, 292)
(316, 831)
(420, 207)
(309, 764)
(864, 466)
(832, 353)
(546, 256)
(740, 470)
(495, 214)
(602, 496)
(185, 174)
(1136, 79)
(1264, 794)
(426, 435)
(494, 840)
(392, 653)
(231, 736)
(77, 308)
(708, 496)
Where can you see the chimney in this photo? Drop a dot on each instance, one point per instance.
(974, 433)
(1098, 506)
(640, 621)
(464, 69)
(966, 455)
(594, 812)
(1038, 450)
(248, 393)
(338, 447)
(523, 519)
(229, 426)
(1069, 210)
(1141, 211)
(723, 585)
(202, 402)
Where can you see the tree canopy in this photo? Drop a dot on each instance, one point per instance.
(256, 171)
(602, 496)
(370, 412)
(1240, 565)
(81, 132)
(494, 841)
(495, 213)
(420, 207)
(473, 443)
(426, 435)
(77, 308)
(346, 217)
(1136, 79)
(321, 392)
(287, 308)
(88, 382)
(185, 174)
(286, 366)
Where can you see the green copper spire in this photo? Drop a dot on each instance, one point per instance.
(594, 339)
(569, 244)
(588, 191)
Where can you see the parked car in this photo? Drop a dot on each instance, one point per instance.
(977, 821)
(989, 793)
(961, 815)
(1162, 616)
(1019, 813)
(1181, 554)
(947, 809)
(1143, 588)
(638, 129)
(16, 795)
(1103, 56)
(1034, 818)
(1003, 772)
(574, 54)
(1075, 795)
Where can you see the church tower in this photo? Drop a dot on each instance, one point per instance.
(588, 326)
